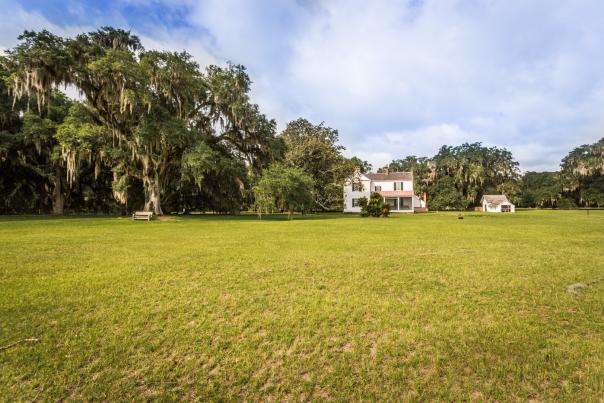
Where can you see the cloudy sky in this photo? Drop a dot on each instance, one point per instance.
(395, 78)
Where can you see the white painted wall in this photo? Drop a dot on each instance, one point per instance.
(349, 194)
(496, 209)
(389, 185)
(417, 202)
(369, 187)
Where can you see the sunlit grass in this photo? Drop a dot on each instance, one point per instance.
(336, 307)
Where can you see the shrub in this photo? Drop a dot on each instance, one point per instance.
(385, 208)
(363, 202)
(375, 198)
(375, 208)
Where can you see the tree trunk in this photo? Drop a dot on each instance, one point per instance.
(153, 199)
(58, 200)
(151, 183)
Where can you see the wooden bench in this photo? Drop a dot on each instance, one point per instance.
(142, 215)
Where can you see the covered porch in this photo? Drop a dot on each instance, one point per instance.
(399, 200)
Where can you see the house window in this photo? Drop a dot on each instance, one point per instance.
(398, 185)
(357, 187)
(393, 202)
(377, 188)
(355, 202)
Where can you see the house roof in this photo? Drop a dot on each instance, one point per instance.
(391, 176)
(495, 200)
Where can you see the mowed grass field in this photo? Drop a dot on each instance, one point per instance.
(325, 307)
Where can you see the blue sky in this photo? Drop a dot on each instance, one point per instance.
(395, 77)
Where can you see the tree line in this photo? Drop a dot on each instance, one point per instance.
(457, 177)
(154, 131)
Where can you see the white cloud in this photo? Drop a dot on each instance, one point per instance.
(20, 19)
(423, 141)
(403, 78)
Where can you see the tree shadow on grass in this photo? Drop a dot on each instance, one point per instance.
(187, 217)
(266, 217)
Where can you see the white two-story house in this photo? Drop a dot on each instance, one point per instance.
(396, 189)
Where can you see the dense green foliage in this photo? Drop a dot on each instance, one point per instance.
(583, 174)
(540, 189)
(580, 181)
(374, 206)
(444, 195)
(34, 164)
(151, 119)
(457, 177)
(152, 131)
(284, 188)
(315, 149)
(325, 307)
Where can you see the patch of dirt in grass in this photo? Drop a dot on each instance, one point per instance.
(373, 350)
(293, 347)
(322, 394)
(574, 288)
(577, 288)
(214, 370)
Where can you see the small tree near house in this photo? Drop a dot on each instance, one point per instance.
(283, 188)
(374, 207)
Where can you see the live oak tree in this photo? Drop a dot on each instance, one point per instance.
(33, 176)
(33, 168)
(362, 165)
(540, 189)
(582, 174)
(457, 177)
(155, 106)
(315, 149)
(153, 130)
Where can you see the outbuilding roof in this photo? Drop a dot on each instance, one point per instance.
(495, 200)
(390, 176)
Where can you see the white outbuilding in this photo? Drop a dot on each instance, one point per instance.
(497, 204)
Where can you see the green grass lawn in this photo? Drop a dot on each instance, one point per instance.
(327, 307)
